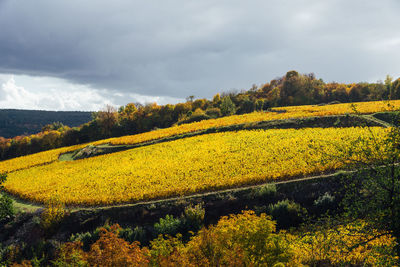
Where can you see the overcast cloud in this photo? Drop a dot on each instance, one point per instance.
(125, 51)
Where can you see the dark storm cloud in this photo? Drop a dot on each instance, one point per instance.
(180, 48)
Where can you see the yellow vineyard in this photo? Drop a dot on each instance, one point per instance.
(40, 158)
(276, 114)
(185, 166)
(290, 112)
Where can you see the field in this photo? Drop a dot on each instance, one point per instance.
(37, 159)
(276, 114)
(186, 166)
(47, 157)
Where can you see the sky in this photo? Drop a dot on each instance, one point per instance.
(82, 55)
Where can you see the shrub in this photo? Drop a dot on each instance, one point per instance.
(6, 207)
(266, 192)
(108, 250)
(3, 255)
(214, 112)
(324, 203)
(162, 250)
(3, 178)
(352, 244)
(70, 254)
(6, 203)
(53, 213)
(195, 117)
(238, 240)
(137, 234)
(168, 226)
(259, 104)
(86, 239)
(287, 213)
(193, 217)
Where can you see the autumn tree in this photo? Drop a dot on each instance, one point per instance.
(290, 87)
(239, 240)
(108, 250)
(216, 100)
(107, 119)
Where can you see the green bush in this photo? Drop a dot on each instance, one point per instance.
(259, 104)
(266, 192)
(3, 255)
(131, 235)
(325, 203)
(287, 213)
(214, 112)
(168, 226)
(3, 178)
(88, 238)
(195, 117)
(193, 217)
(6, 207)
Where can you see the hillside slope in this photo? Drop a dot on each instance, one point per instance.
(193, 158)
(15, 122)
(187, 166)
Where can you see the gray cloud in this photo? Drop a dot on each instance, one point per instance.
(179, 48)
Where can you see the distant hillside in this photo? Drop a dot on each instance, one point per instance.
(15, 122)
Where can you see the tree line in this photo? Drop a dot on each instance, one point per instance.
(291, 89)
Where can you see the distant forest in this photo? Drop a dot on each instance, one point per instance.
(14, 122)
(291, 89)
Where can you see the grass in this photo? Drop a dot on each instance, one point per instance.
(22, 206)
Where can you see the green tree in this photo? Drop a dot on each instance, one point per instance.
(190, 98)
(396, 89)
(227, 106)
(6, 203)
(259, 104)
(373, 192)
(388, 85)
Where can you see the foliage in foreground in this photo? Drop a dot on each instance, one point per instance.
(374, 193)
(239, 240)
